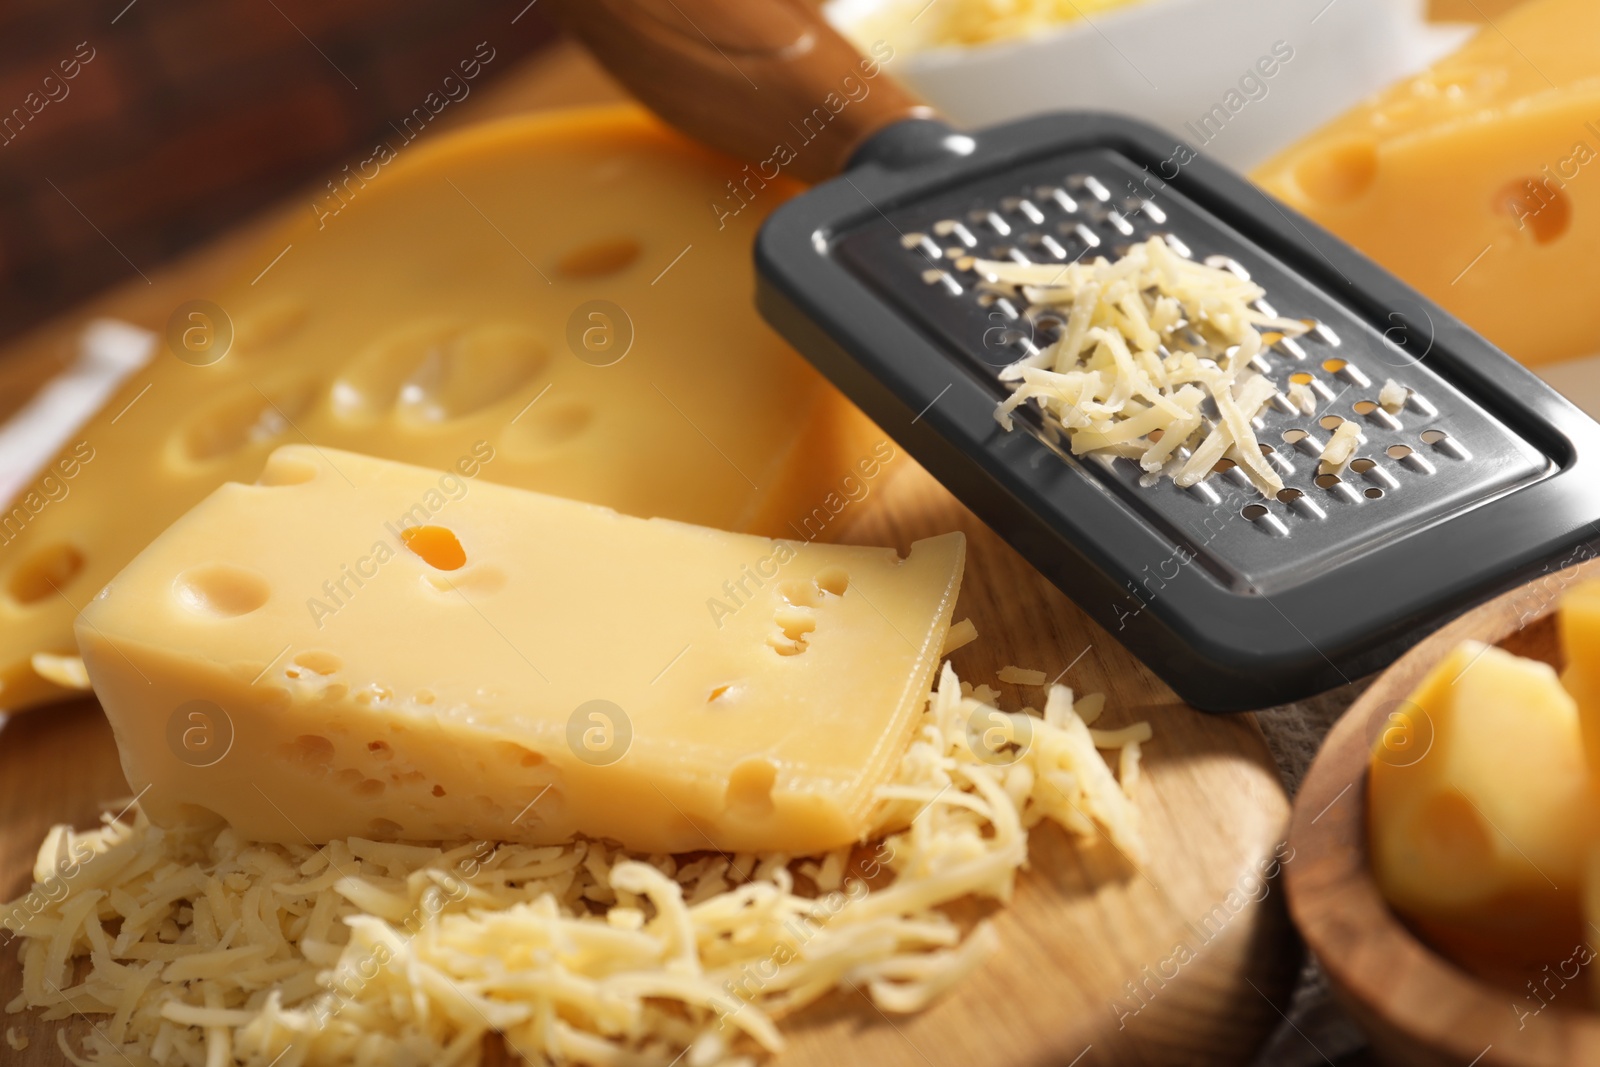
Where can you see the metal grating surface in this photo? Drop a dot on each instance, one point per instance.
(1441, 454)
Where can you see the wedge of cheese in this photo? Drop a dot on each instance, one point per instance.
(359, 647)
(1477, 181)
(1481, 814)
(557, 287)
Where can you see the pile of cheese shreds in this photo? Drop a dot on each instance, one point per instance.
(195, 947)
(1153, 362)
(958, 23)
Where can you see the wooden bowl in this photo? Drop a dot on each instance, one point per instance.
(1418, 1008)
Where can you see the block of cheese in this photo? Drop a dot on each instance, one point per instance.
(1579, 625)
(354, 646)
(1479, 826)
(554, 287)
(1476, 181)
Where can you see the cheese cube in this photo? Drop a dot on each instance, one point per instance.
(1579, 624)
(356, 647)
(553, 287)
(1474, 181)
(1479, 823)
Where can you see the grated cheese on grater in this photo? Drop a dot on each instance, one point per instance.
(1153, 362)
(1393, 396)
(1342, 445)
(190, 946)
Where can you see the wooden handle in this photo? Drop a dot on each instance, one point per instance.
(767, 81)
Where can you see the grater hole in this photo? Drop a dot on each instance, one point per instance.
(1330, 422)
(1266, 449)
(1364, 407)
(1290, 495)
(1301, 378)
(1294, 437)
(1374, 493)
(1334, 366)
(1398, 451)
(1433, 437)
(1223, 466)
(1327, 481)
(1254, 511)
(1362, 465)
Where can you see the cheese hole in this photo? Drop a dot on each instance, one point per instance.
(833, 580)
(480, 367)
(1339, 173)
(250, 415)
(323, 663)
(312, 750)
(438, 790)
(718, 692)
(800, 594)
(435, 546)
(545, 426)
(750, 786)
(424, 697)
(1451, 838)
(1535, 206)
(223, 590)
(793, 625)
(370, 787)
(512, 752)
(600, 258)
(382, 828)
(287, 470)
(380, 750)
(44, 572)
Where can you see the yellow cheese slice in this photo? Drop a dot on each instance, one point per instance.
(481, 288)
(356, 647)
(1475, 181)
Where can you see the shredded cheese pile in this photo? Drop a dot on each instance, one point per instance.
(1153, 362)
(195, 947)
(915, 25)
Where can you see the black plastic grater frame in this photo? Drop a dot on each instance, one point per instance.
(1230, 623)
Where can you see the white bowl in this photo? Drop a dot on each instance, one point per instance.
(1175, 63)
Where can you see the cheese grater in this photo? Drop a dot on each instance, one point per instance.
(1483, 478)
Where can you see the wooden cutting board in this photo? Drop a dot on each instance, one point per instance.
(1188, 961)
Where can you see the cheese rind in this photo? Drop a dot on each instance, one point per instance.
(1475, 180)
(448, 300)
(283, 658)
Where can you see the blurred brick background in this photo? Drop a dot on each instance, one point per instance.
(195, 113)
